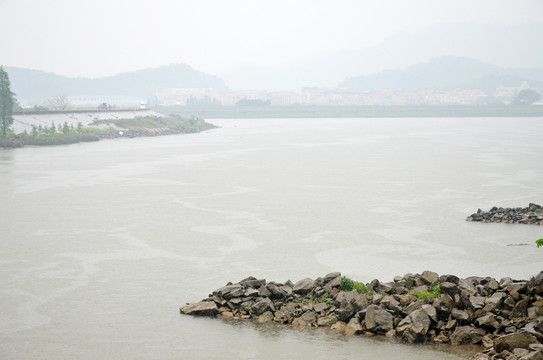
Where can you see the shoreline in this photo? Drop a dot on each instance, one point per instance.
(502, 317)
(109, 129)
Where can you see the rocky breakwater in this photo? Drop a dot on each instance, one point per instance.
(533, 214)
(505, 316)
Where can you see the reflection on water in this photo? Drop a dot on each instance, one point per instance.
(102, 242)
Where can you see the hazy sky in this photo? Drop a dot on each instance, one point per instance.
(99, 37)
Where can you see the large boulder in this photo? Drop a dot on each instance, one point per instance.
(466, 335)
(229, 291)
(378, 320)
(444, 303)
(203, 308)
(304, 286)
(262, 306)
(495, 301)
(512, 341)
(265, 317)
(477, 302)
(414, 326)
(252, 282)
(488, 321)
(353, 327)
(429, 277)
(277, 291)
(327, 320)
(349, 303)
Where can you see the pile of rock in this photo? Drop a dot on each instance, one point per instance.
(533, 214)
(505, 316)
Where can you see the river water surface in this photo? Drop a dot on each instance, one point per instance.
(101, 243)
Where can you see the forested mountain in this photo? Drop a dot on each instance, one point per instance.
(36, 86)
(446, 73)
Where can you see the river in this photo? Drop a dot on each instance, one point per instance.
(103, 242)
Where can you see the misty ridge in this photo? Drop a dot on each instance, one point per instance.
(452, 57)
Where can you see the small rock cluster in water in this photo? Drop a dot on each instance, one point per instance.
(533, 214)
(505, 317)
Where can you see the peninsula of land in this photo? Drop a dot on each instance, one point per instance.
(73, 127)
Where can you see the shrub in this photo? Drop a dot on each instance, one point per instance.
(424, 294)
(351, 285)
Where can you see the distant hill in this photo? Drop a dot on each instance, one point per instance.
(36, 86)
(507, 46)
(446, 73)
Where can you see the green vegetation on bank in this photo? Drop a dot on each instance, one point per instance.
(172, 122)
(424, 294)
(139, 126)
(351, 285)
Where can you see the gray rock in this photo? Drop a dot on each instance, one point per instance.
(429, 277)
(448, 278)
(488, 321)
(392, 304)
(229, 291)
(203, 308)
(320, 307)
(430, 311)
(414, 326)
(414, 306)
(264, 292)
(276, 291)
(495, 301)
(327, 320)
(331, 276)
(521, 307)
(477, 302)
(304, 286)
(511, 341)
(250, 292)
(353, 327)
(309, 317)
(282, 317)
(448, 288)
(252, 282)
(460, 315)
(265, 317)
(534, 355)
(518, 352)
(349, 303)
(262, 306)
(444, 303)
(345, 313)
(339, 327)
(378, 320)
(465, 335)
(419, 289)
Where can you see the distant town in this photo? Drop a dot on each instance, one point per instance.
(337, 96)
(308, 96)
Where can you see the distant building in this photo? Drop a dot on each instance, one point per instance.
(93, 101)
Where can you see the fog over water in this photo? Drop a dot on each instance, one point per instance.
(102, 242)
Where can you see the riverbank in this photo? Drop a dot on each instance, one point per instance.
(504, 317)
(143, 126)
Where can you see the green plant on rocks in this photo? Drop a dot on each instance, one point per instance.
(539, 242)
(351, 285)
(436, 290)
